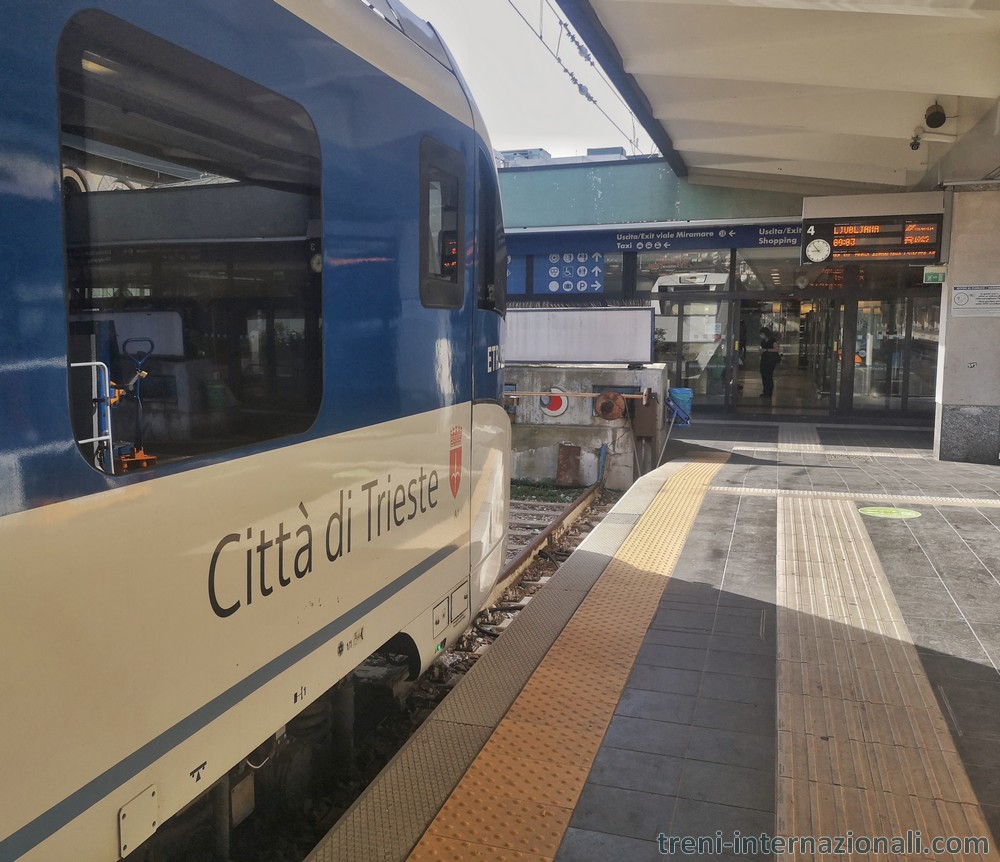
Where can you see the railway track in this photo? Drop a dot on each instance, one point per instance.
(528, 519)
(541, 534)
(537, 526)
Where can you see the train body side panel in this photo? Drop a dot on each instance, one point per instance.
(384, 354)
(255, 585)
(163, 623)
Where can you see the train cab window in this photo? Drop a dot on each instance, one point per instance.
(493, 260)
(193, 251)
(442, 193)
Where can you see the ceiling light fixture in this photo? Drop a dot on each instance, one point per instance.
(935, 117)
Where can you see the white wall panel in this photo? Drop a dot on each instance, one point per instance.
(568, 335)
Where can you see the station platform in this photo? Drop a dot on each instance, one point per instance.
(786, 631)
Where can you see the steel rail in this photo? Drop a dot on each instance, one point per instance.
(516, 568)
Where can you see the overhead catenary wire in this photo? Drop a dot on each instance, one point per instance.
(584, 52)
(583, 90)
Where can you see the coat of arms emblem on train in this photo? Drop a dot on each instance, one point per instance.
(455, 460)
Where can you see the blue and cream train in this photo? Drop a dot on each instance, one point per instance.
(251, 304)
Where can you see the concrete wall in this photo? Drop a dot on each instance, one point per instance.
(644, 190)
(967, 425)
(537, 436)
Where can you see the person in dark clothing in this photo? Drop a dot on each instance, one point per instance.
(769, 359)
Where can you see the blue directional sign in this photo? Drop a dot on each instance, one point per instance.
(652, 239)
(569, 273)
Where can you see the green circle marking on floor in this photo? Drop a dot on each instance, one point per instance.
(888, 512)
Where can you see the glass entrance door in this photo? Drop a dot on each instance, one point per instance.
(895, 355)
(801, 331)
(839, 355)
(822, 329)
(921, 359)
(692, 338)
(705, 350)
(879, 339)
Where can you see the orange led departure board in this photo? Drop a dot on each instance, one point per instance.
(891, 239)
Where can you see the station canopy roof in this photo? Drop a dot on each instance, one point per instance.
(808, 96)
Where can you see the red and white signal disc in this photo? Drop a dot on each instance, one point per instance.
(555, 403)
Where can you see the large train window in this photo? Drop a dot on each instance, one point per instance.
(192, 211)
(442, 193)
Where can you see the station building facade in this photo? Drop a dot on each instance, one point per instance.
(860, 339)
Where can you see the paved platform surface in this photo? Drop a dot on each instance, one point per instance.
(786, 630)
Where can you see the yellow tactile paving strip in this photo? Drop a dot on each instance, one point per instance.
(571, 698)
(863, 748)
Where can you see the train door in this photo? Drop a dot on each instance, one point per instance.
(490, 465)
